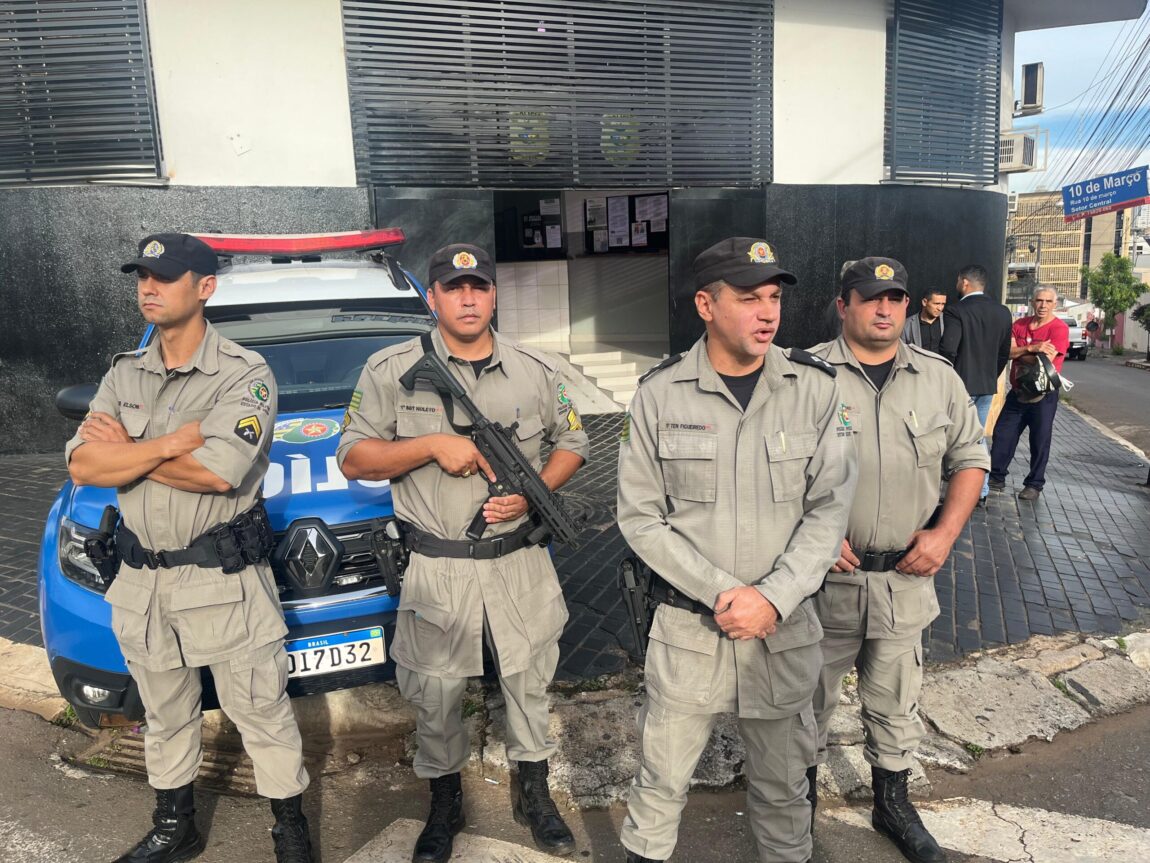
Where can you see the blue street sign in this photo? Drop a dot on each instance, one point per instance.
(1105, 194)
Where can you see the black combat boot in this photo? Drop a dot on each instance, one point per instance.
(290, 834)
(813, 792)
(896, 818)
(535, 808)
(174, 836)
(632, 857)
(443, 821)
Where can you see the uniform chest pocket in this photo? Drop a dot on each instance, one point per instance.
(929, 436)
(135, 424)
(690, 464)
(529, 436)
(176, 419)
(787, 455)
(418, 420)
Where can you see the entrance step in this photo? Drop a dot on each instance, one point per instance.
(615, 372)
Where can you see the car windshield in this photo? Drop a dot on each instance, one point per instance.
(317, 351)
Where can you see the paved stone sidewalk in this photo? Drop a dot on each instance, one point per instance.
(1071, 561)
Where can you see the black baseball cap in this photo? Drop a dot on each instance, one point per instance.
(872, 276)
(742, 262)
(459, 260)
(172, 255)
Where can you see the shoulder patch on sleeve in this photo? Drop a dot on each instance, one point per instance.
(541, 357)
(804, 358)
(249, 429)
(665, 364)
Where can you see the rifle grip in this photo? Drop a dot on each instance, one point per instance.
(478, 524)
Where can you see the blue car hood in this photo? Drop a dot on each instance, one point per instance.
(302, 481)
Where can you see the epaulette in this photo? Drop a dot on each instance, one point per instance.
(377, 359)
(665, 364)
(804, 358)
(227, 346)
(924, 352)
(542, 357)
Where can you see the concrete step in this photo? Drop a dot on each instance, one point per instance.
(616, 382)
(603, 370)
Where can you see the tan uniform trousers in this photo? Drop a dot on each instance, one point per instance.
(671, 741)
(251, 693)
(889, 679)
(443, 744)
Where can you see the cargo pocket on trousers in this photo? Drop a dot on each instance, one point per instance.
(543, 613)
(839, 602)
(690, 470)
(209, 615)
(910, 603)
(131, 599)
(259, 678)
(788, 456)
(794, 657)
(681, 656)
(910, 682)
(425, 628)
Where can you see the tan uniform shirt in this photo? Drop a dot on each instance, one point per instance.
(713, 497)
(920, 426)
(518, 593)
(191, 615)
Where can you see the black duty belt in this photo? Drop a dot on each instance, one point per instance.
(662, 591)
(429, 545)
(232, 546)
(880, 561)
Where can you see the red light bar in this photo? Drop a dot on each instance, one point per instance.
(297, 245)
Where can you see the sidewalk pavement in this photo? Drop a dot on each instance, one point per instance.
(1072, 561)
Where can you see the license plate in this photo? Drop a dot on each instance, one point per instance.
(339, 651)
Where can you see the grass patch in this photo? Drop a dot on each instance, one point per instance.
(1121, 642)
(66, 719)
(1118, 350)
(99, 761)
(1061, 686)
(975, 750)
(472, 707)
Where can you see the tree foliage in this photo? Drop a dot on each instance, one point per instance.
(1141, 314)
(1113, 286)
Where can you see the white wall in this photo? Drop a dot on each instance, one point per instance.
(532, 299)
(830, 80)
(252, 93)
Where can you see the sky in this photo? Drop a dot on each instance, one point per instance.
(1071, 58)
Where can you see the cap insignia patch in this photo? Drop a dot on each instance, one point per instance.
(884, 272)
(761, 253)
(463, 261)
(153, 250)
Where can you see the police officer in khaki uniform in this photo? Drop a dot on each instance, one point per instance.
(735, 479)
(182, 430)
(458, 592)
(911, 420)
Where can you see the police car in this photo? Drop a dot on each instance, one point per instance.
(337, 564)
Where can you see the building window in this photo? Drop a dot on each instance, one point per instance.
(943, 70)
(597, 94)
(77, 93)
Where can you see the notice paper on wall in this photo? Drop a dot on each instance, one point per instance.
(599, 240)
(650, 207)
(658, 226)
(554, 236)
(619, 221)
(548, 206)
(596, 213)
(638, 234)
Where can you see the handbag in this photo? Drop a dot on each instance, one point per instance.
(1035, 380)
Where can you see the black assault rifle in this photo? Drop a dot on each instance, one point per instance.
(513, 473)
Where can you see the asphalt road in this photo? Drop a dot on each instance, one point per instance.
(1115, 395)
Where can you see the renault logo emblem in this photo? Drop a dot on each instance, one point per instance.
(309, 555)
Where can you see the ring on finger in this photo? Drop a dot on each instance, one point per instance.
(467, 472)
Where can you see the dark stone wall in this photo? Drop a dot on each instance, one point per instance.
(932, 231)
(68, 307)
(433, 218)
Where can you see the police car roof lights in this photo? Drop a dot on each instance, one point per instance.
(295, 245)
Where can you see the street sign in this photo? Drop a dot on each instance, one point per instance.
(1105, 194)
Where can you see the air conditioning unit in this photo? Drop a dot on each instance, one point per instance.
(1017, 152)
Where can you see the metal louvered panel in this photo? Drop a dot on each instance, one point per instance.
(595, 94)
(75, 92)
(943, 69)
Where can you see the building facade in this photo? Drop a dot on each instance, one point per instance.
(596, 147)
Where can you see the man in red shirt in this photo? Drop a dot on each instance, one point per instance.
(1040, 333)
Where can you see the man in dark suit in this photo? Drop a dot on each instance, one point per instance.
(976, 340)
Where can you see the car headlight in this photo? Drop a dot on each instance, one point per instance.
(74, 562)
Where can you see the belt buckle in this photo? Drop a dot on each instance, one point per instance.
(497, 546)
(155, 559)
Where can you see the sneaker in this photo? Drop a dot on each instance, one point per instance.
(1029, 493)
(996, 484)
